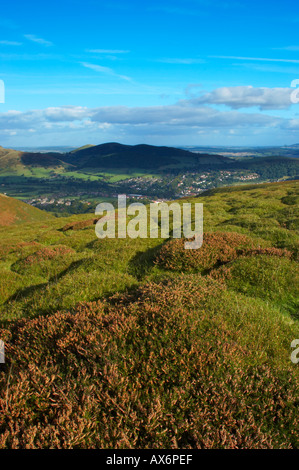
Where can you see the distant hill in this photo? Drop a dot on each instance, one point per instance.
(9, 158)
(115, 155)
(16, 160)
(110, 155)
(13, 212)
(81, 148)
(42, 159)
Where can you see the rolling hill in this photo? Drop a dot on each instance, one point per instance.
(115, 155)
(16, 161)
(138, 343)
(110, 155)
(15, 212)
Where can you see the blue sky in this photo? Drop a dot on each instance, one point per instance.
(192, 72)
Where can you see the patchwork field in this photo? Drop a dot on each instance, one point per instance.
(122, 343)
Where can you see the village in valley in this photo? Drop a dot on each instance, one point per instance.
(145, 188)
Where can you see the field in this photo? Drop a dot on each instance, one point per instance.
(123, 343)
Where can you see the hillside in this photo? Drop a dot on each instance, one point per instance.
(16, 161)
(15, 212)
(9, 158)
(138, 343)
(110, 155)
(115, 155)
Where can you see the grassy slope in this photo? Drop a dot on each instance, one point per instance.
(14, 212)
(189, 352)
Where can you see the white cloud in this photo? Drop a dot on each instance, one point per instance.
(287, 48)
(181, 61)
(292, 124)
(25, 57)
(105, 70)
(163, 117)
(246, 97)
(10, 43)
(157, 125)
(255, 59)
(279, 68)
(33, 38)
(183, 120)
(107, 51)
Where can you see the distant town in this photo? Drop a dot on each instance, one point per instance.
(147, 189)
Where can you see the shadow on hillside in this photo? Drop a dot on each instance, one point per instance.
(24, 292)
(295, 314)
(21, 293)
(143, 262)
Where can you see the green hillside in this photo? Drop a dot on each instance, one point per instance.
(123, 343)
(15, 161)
(15, 212)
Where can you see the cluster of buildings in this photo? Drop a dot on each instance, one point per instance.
(44, 201)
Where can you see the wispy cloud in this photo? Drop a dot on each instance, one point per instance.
(255, 59)
(105, 70)
(181, 61)
(287, 48)
(174, 10)
(291, 70)
(10, 43)
(190, 90)
(195, 7)
(107, 51)
(33, 38)
(33, 57)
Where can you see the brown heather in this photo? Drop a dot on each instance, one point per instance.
(21, 248)
(217, 248)
(79, 225)
(160, 367)
(143, 344)
(48, 253)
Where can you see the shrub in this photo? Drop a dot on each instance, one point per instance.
(79, 225)
(162, 367)
(217, 248)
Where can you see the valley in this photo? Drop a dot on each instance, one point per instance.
(73, 182)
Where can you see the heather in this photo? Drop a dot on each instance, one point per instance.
(141, 344)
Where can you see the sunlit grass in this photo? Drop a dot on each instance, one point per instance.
(122, 343)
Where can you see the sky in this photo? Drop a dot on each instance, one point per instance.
(176, 73)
